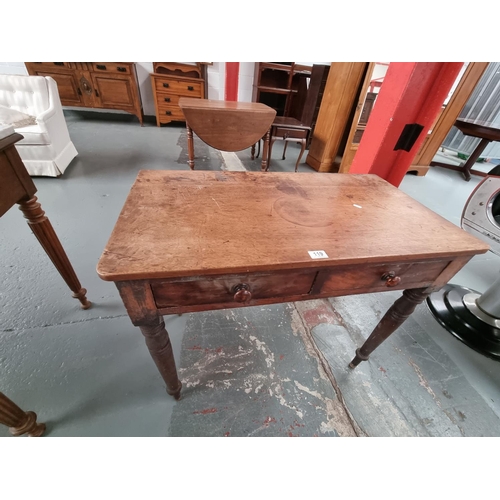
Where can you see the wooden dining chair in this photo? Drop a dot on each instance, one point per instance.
(292, 129)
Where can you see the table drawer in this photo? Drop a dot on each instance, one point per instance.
(380, 277)
(290, 132)
(179, 87)
(111, 67)
(232, 290)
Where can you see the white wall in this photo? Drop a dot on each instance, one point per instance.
(143, 69)
(13, 68)
(216, 75)
(245, 81)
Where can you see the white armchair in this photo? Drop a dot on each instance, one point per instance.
(46, 148)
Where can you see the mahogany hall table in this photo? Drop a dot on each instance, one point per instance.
(197, 241)
(227, 125)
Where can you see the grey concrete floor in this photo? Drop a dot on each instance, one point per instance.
(272, 371)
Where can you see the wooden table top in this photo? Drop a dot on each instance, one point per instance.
(289, 122)
(479, 128)
(177, 223)
(227, 125)
(15, 182)
(254, 107)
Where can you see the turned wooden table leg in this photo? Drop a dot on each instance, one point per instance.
(265, 150)
(393, 319)
(190, 142)
(252, 152)
(43, 230)
(19, 421)
(160, 348)
(302, 149)
(284, 149)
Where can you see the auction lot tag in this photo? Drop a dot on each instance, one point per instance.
(317, 254)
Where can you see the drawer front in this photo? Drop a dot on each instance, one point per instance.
(289, 132)
(178, 87)
(47, 66)
(232, 290)
(377, 278)
(111, 67)
(167, 113)
(168, 100)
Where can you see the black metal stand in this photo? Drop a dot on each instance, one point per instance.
(448, 307)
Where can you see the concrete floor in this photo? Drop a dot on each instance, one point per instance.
(263, 371)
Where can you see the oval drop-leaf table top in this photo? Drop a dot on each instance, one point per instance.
(227, 125)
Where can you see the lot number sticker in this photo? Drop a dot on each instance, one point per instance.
(317, 254)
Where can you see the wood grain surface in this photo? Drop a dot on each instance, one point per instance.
(227, 125)
(478, 128)
(179, 224)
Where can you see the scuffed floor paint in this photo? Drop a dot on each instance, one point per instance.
(256, 375)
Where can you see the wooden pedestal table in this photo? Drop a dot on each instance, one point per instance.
(486, 131)
(16, 186)
(227, 125)
(198, 241)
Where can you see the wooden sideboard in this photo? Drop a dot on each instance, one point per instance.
(170, 82)
(101, 85)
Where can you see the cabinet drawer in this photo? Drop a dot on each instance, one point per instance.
(179, 87)
(167, 99)
(111, 67)
(377, 278)
(232, 290)
(47, 66)
(290, 132)
(167, 113)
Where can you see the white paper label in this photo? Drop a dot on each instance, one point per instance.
(317, 254)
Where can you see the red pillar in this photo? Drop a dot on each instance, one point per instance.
(412, 93)
(231, 87)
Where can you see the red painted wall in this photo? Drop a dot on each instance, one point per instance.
(231, 86)
(411, 93)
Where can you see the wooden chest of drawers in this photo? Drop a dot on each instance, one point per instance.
(103, 85)
(170, 81)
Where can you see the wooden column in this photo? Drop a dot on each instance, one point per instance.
(412, 94)
(339, 97)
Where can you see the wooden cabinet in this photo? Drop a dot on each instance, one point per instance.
(107, 85)
(338, 106)
(172, 81)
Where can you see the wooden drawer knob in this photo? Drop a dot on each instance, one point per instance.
(391, 279)
(242, 293)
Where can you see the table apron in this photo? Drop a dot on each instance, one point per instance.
(180, 295)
